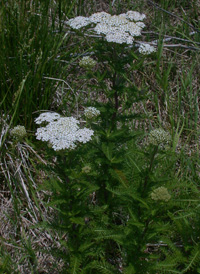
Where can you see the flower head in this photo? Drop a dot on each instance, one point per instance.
(64, 133)
(47, 117)
(159, 137)
(160, 194)
(91, 112)
(117, 28)
(135, 16)
(18, 132)
(146, 49)
(86, 169)
(78, 22)
(87, 62)
(99, 17)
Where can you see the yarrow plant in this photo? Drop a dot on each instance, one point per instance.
(62, 132)
(87, 62)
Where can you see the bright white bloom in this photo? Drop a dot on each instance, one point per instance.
(135, 16)
(140, 24)
(102, 28)
(47, 117)
(123, 15)
(87, 62)
(117, 21)
(64, 133)
(133, 29)
(91, 112)
(18, 132)
(84, 135)
(146, 49)
(117, 28)
(119, 37)
(78, 22)
(99, 17)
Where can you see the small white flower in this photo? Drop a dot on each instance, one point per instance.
(47, 117)
(135, 16)
(99, 17)
(87, 62)
(84, 135)
(91, 112)
(117, 21)
(119, 37)
(146, 49)
(102, 28)
(133, 29)
(140, 24)
(78, 22)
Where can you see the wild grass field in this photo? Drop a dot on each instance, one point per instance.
(99, 136)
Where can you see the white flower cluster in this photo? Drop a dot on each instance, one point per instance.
(91, 112)
(62, 133)
(135, 16)
(47, 117)
(78, 22)
(146, 49)
(160, 194)
(117, 28)
(159, 137)
(87, 62)
(18, 132)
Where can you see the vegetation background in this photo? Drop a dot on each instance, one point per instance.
(117, 228)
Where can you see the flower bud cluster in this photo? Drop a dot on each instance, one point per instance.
(62, 132)
(159, 137)
(160, 194)
(87, 62)
(86, 169)
(18, 132)
(91, 112)
(146, 49)
(119, 29)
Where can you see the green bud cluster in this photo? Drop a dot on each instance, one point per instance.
(87, 62)
(18, 132)
(91, 112)
(160, 194)
(86, 169)
(159, 137)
